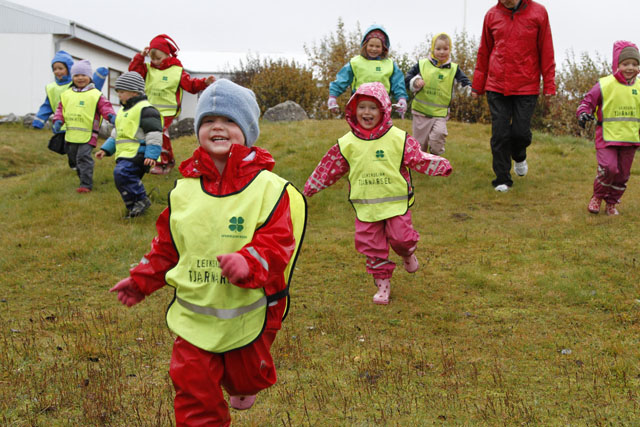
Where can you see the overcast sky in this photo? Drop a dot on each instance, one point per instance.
(285, 26)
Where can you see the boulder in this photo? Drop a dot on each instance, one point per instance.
(28, 120)
(287, 111)
(10, 118)
(180, 128)
(105, 129)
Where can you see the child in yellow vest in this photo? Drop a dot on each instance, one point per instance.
(61, 66)
(228, 246)
(377, 156)
(372, 65)
(136, 141)
(431, 81)
(615, 99)
(165, 79)
(82, 109)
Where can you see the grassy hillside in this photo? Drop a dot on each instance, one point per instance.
(525, 309)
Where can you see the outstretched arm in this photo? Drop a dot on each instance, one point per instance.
(331, 168)
(419, 161)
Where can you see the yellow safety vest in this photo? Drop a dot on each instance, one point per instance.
(127, 125)
(620, 110)
(161, 87)
(434, 98)
(79, 111)
(377, 188)
(207, 310)
(53, 93)
(371, 70)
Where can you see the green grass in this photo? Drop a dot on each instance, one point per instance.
(524, 310)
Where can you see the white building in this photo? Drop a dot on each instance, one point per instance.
(29, 39)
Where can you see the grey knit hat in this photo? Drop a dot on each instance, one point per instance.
(130, 81)
(629, 52)
(227, 99)
(82, 67)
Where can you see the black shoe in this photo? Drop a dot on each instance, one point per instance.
(139, 208)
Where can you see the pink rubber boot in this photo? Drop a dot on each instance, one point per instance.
(242, 403)
(384, 289)
(411, 263)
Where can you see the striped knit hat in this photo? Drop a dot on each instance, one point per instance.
(130, 81)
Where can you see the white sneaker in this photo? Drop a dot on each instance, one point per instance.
(502, 188)
(521, 168)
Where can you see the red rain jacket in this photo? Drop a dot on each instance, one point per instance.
(516, 48)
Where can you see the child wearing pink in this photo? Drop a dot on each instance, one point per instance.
(377, 156)
(616, 101)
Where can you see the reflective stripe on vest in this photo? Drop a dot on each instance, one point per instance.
(620, 110)
(127, 125)
(377, 188)
(209, 311)
(371, 70)
(162, 86)
(434, 98)
(79, 112)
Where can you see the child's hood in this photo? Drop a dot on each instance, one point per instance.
(379, 94)
(379, 28)
(617, 48)
(66, 59)
(433, 49)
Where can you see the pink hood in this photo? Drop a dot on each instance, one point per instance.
(617, 48)
(379, 94)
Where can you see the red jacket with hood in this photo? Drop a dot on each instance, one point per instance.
(334, 166)
(187, 82)
(592, 101)
(274, 242)
(516, 48)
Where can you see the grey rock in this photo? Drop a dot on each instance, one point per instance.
(287, 111)
(10, 118)
(105, 129)
(28, 120)
(180, 128)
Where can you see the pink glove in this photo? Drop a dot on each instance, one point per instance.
(332, 104)
(128, 292)
(401, 107)
(234, 267)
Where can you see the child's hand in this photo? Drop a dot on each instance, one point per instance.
(332, 104)
(210, 80)
(584, 118)
(234, 267)
(128, 292)
(100, 154)
(149, 162)
(474, 95)
(57, 125)
(145, 51)
(418, 84)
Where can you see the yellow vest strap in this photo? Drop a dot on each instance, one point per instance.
(222, 313)
(380, 200)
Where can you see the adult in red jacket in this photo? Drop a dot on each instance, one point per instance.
(516, 48)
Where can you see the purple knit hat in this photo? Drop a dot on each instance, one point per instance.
(82, 67)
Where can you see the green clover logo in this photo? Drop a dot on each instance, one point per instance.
(380, 154)
(440, 76)
(378, 68)
(634, 91)
(165, 78)
(235, 224)
(81, 102)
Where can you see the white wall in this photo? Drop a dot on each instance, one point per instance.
(25, 72)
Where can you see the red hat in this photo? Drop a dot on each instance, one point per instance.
(165, 44)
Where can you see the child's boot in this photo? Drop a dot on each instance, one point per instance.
(242, 402)
(611, 209)
(411, 263)
(594, 205)
(384, 289)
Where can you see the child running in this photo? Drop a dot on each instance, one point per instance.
(616, 101)
(372, 65)
(82, 109)
(61, 66)
(136, 141)
(431, 80)
(377, 156)
(227, 243)
(165, 79)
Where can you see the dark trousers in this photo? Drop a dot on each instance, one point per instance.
(510, 131)
(128, 175)
(80, 159)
